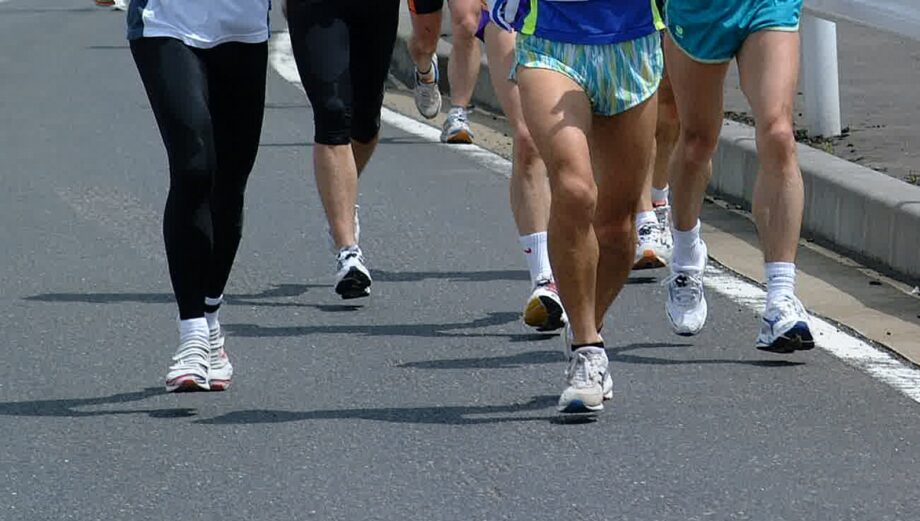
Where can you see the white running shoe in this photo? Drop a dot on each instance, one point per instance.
(427, 95)
(785, 327)
(665, 239)
(457, 127)
(352, 280)
(650, 253)
(544, 311)
(221, 370)
(120, 5)
(589, 382)
(191, 367)
(686, 305)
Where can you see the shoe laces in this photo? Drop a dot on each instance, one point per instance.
(584, 370)
(425, 90)
(457, 115)
(346, 254)
(686, 288)
(785, 305)
(192, 354)
(648, 232)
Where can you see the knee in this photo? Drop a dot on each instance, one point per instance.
(776, 141)
(332, 121)
(615, 230)
(192, 163)
(698, 146)
(365, 126)
(466, 24)
(574, 195)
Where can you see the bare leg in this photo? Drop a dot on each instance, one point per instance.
(529, 187)
(463, 67)
(337, 182)
(769, 65)
(423, 44)
(363, 152)
(698, 96)
(558, 115)
(666, 133)
(623, 146)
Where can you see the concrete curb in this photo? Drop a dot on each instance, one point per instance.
(849, 208)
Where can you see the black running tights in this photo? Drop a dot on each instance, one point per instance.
(343, 50)
(208, 105)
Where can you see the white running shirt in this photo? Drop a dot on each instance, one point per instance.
(200, 23)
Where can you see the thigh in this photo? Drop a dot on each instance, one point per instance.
(236, 74)
(373, 38)
(558, 114)
(175, 78)
(768, 66)
(321, 42)
(622, 148)
(697, 89)
(500, 53)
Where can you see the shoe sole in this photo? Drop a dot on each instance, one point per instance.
(186, 384)
(544, 314)
(220, 385)
(463, 137)
(354, 284)
(649, 261)
(579, 407)
(799, 338)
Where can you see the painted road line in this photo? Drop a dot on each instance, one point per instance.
(852, 350)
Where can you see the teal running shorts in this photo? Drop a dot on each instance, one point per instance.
(712, 31)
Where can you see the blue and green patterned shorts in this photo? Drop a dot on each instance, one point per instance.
(616, 77)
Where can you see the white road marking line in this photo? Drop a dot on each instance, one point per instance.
(855, 352)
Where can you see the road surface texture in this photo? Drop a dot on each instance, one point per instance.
(428, 401)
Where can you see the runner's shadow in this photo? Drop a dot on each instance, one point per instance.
(411, 330)
(247, 299)
(615, 354)
(453, 276)
(67, 408)
(449, 415)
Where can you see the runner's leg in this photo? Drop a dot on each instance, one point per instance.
(559, 115)
(462, 69)
(698, 96)
(529, 187)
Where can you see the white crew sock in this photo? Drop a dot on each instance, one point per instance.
(212, 318)
(780, 279)
(537, 255)
(643, 218)
(193, 329)
(688, 248)
(659, 196)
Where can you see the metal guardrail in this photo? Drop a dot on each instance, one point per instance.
(820, 78)
(900, 17)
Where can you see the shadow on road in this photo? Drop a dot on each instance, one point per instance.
(616, 355)
(411, 330)
(453, 276)
(68, 407)
(251, 299)
(454, 415)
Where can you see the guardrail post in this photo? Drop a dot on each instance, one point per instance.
(819, 76)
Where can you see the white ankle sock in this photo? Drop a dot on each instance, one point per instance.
(193, 329)
(688, 248)
(780, 279)
(537, 255)
(212, 318)
(660, 195)
(643, 218)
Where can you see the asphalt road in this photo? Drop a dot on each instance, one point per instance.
(429, 401)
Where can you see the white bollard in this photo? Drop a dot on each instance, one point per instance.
(819, 76)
